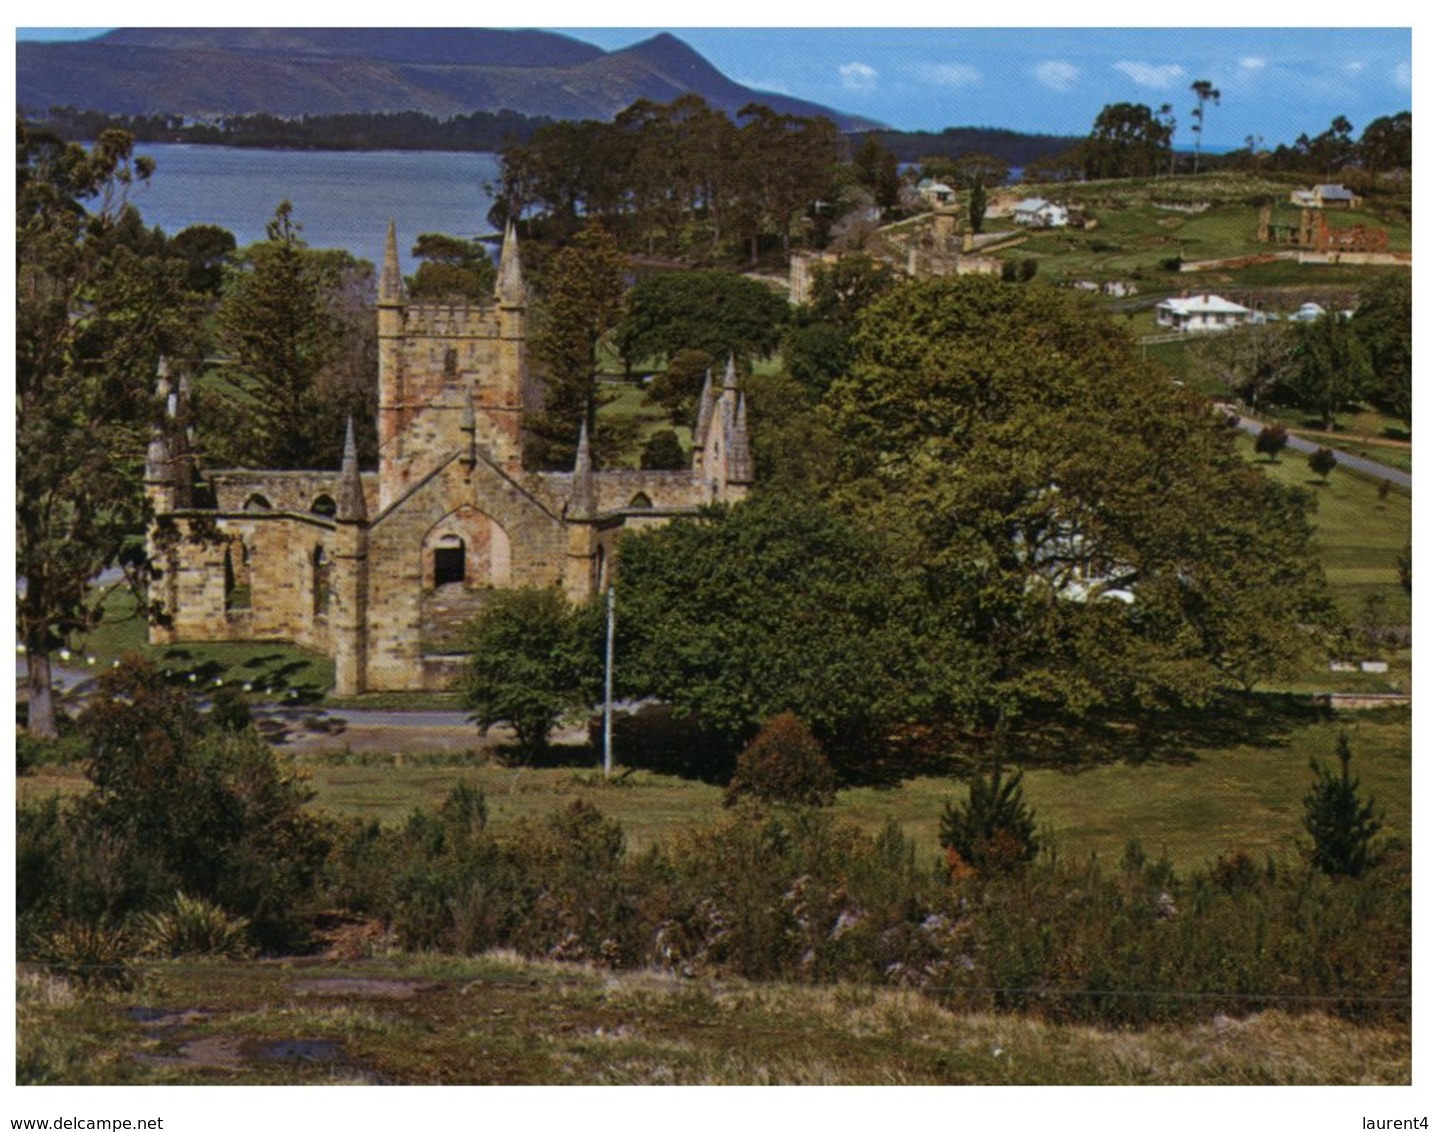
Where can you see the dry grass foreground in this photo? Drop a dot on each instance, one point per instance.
(503, 1020)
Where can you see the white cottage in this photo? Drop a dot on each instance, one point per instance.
(1036, 212)
(1201, 313)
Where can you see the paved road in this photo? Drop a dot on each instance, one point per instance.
(313, 728)
(1356, 463)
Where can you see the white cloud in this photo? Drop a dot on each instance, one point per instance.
(1159, 76)
(1253, 63)
(949, 74)
(1354, 68)
(858, 76)
(1057, 75)
(1403, 75)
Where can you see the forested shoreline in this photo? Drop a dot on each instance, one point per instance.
(484, 131)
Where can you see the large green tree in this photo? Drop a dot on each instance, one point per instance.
(451, 268)
(1017, 445)
(779, 604)
(1384, 322)
(584, 290)
(95, 311)
(1331, 367)
(877, 169)
(276, 321)
(534, 659)
(719, 312)
(1253, 361)
(1127, 140)
(1387, 143)
(786, 164)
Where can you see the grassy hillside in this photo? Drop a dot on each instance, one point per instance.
(1147, 227)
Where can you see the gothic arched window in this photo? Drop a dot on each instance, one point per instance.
(450, 560)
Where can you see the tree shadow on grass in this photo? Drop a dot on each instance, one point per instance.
(555, 756)
(658, 739)
(1180, 736)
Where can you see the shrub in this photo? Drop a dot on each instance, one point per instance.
(1341, 827)
(32, 751)
(194, 926)
(534, 659)
(229, 710)
(1271, 441)
(1322, 461)
(992, 830)
(92, 954)
(662, 452)
(785, 765)
(179, 807)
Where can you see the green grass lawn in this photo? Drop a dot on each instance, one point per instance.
(626, 404)
(265, 670)
(1224, 796)
(1359, 535)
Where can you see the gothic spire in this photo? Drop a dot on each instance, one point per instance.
(730, 380)
(510, 283)
(582, 485)
(164, 387)
(350, 507)
(707, 408)
(157, 460)
(740, 462)
(390, 269)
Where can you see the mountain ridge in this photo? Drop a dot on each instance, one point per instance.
(292, 72)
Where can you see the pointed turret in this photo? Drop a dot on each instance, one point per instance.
(731, 381)
(739, 461)
(707, 408)
(159, 456)
(165, 391)
(510, 283)
(184, 417)
(157, 460)
(350, 578)
(350, 508)
(390, 282)
(582, 485)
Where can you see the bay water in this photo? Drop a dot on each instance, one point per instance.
(341, 199)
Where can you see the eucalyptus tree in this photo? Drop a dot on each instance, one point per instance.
(94, 315)
(1204, 92)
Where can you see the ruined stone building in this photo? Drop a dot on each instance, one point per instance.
(1314, 232)
(381, 569)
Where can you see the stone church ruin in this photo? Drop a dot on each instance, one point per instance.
(382, 569)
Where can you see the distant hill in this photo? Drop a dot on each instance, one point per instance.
(289, 72)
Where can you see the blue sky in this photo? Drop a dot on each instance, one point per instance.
(1274, 82)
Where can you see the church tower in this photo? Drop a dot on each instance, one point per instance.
(454, 375)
